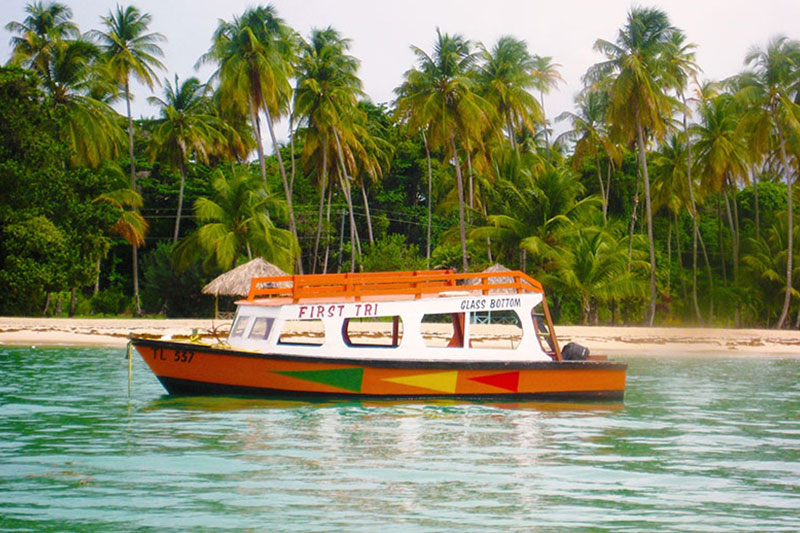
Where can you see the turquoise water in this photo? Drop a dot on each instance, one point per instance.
(698, 445)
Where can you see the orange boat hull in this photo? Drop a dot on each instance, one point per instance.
(192, 369)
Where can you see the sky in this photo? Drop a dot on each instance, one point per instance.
(382, 32)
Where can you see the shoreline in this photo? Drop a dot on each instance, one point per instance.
(630, 341)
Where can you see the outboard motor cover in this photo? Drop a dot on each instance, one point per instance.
(573, 351)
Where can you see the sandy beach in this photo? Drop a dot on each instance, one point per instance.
(611, 341)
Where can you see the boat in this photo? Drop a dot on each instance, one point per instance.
(416, 334)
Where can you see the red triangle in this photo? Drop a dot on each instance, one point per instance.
(508, 381)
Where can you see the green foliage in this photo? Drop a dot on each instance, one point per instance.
(110, 301)
(172, 292)
(566, 213)
(392, 252)
(33, 260)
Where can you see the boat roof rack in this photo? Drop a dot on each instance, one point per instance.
(413, 284)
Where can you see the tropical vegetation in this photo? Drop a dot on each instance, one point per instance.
(665, 199)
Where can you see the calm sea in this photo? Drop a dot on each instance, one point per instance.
(698, 445)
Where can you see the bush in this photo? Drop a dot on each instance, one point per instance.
(110, 301)
(392, 252)
(178, 294)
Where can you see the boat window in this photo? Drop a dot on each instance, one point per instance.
(373, 331)
(261, 328)
(239, 326)
(443, 330)
(495, 329)
(303, 331)
(542, 332)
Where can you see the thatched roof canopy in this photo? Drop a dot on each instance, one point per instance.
(497, 267)
(236, 282)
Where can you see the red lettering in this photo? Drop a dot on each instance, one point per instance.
(341, 310)
(302, 311)
(320, 311)
(367, 309)
(331, 308)
(358, 309)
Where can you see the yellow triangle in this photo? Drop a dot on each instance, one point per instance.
(438, 381)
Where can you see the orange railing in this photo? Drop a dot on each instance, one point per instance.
(418, 284)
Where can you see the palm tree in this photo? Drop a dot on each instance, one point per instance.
(89, 125)
(186, 128)
(682, 67)
(536, 212)
(766, 262)
(46, 27)
(129, 223)
(130, 51)
(439, 96)
(591, 135)
(722, 158)
(593, 266)
(636, 73)
(325, 104)
(770, 89)
(505, 77)
(236, 225)
(50, 44)
(254, 54)
(546, 77)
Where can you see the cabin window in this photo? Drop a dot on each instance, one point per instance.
(495, 329)
(542, 332)
(261, 328)
(443, 330)
(373, 331)
(303, 331)
(239, 326)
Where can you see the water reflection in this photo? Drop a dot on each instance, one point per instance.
(718, 439)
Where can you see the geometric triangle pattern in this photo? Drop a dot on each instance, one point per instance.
(343, 378)
(437, 381)
(508, 381)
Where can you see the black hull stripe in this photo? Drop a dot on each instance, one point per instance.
(389, 363)
(184, 387)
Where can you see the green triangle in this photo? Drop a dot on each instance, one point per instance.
(344, 378)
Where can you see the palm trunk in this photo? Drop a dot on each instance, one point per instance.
(327, 239)
(602, 187)
(471, 186)
(643, 159)
(460, 187)
(259, 145)
(546, 136)
(669, 258)
(680, 254)
(366, 210)
(73, 300)
(137, 306)
(734, 236)
(755, 198)
(784, 161)
(609, 168)
(633, 223)
(693, 210)
(345, 184)
(322, 190)
(430, 199)
(699, 238)
(180, 196)
(287, 190)
(97, 279)
(341, 243)
(511, 133)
